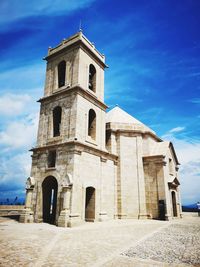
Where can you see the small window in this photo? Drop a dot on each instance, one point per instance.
(52, 159)
(61, 73)
(92, 124)
(57, 113)
(108, 137)
(170, 166)
(92, 78)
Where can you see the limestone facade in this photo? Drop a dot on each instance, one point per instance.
(89, 165)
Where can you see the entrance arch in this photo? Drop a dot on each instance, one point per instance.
(90, 204)
(49, 192)
(174, 205)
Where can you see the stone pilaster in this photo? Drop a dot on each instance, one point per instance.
(63, 220)
(141, 182)
(27, 214)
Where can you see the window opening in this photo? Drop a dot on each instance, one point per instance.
(92, 78)
(92, 124)
(61, 73)
(57, 112)
(52, 159)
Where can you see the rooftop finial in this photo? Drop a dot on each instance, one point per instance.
(80, 25)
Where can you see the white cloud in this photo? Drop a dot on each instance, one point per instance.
(177, 129)
(11, 10)
(20, 134)
(190, 181)
(171, 133)
(24, 78)
(12, 104)
(14, 171)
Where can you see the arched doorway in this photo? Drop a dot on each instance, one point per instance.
(174, 206)
(90, 204)
(49, 190)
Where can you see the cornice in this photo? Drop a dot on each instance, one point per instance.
(157, 159)
(136, 132)
(77, 89)
(77, 147)
(78, 44)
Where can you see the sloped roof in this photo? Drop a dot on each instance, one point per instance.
(118, 115)
(161, 148)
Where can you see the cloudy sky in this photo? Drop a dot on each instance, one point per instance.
(152, 48)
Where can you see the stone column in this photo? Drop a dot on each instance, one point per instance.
(164, 192)
(141, 181)
(29, 192)
(66, 198)
(63, 219)
(179, 203)
(27, 213)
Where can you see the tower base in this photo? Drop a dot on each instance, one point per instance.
(26, 216)
(63, 220)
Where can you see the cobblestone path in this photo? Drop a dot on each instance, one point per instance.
(177, 244)
(120, 243)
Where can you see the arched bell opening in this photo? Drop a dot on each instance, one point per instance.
(92, 124)
(49, 191)
(92, 78)
(57, 115)
(61, 73)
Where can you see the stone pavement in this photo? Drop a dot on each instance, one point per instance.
(140, 243)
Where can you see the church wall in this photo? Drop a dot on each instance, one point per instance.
(151, 188)
(155, 187)
(128, 202)
(148, 144)
(90, 171)
(171, 174)
(111, 144)
(167, 193)
(108, 190)
(171, 164)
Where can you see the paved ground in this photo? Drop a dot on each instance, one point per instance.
(120, 243)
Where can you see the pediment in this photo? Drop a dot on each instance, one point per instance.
(174, 182)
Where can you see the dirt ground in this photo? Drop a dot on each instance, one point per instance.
(113, 243)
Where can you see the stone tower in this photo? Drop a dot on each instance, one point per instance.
(67, 161)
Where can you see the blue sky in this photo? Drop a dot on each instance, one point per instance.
(152, 48)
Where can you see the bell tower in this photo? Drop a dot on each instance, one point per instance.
(71, 135)
(72, 107)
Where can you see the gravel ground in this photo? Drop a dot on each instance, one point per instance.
(179, 243)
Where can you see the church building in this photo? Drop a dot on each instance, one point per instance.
(89, 165)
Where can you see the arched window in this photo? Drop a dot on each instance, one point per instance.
(61, 73)
(57, 113)
(92, 124)
(92, 78)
